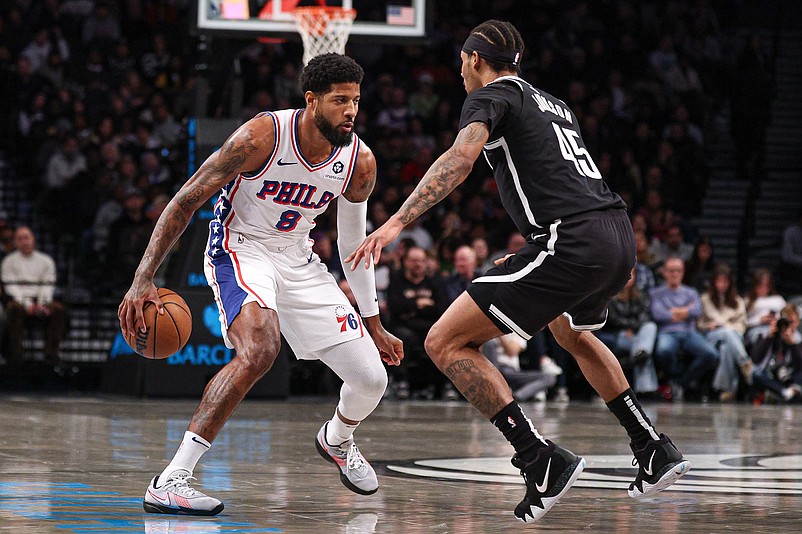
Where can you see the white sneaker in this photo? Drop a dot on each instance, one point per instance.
(356, 474)
(562, 395)
(548, 366)
(176, 496)
(791, 391)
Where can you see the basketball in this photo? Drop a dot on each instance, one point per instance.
(166, 334)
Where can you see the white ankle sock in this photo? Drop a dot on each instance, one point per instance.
(338, 431)
(192, 448)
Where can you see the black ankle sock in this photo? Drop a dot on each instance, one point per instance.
(519, 431)
(632, 417)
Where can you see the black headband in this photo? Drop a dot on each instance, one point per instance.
(491, 52)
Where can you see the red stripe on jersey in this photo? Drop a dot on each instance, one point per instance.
(237, 268)
(242, 283)
(359, 320)
(216, 290)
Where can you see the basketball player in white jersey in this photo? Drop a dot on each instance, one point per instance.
(277, 172)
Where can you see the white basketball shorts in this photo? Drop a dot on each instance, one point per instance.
(313, 311)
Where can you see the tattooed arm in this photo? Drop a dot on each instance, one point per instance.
(445, 174)
(364, 177)
(245, 150)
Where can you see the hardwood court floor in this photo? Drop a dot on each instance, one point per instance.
(81, 464)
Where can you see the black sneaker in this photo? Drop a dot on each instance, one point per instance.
(547, 479)
(660, 464)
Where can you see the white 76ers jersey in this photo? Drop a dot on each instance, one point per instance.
(277, 204)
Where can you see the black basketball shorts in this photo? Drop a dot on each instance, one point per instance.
(572, 267)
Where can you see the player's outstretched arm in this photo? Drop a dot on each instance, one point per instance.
(246, 149)
(352, 211)
(445, 174)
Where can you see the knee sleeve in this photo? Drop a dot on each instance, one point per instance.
(364, 377)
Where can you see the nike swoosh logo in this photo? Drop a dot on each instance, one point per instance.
(538, 235)
(166, 501)
(649, 470)
(196, 440)
(283, 163)
(542, 487)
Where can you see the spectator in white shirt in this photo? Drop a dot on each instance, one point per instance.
(29, 280)
(763, 306)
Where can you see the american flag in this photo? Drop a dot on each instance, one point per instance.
(401, 15)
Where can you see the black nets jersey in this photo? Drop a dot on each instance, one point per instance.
(539, 160)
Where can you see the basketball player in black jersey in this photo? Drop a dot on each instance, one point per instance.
(579, 253)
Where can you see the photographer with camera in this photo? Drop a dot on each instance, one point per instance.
(778, 358)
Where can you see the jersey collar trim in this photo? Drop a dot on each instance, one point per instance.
(516, 79)
(296, 146)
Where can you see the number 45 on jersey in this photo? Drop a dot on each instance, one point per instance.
(578, 155)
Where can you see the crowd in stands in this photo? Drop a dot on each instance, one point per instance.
(94, 126)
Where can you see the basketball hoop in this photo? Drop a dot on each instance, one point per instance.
(323, 29)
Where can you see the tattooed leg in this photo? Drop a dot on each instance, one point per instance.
(255, 336)
(453, 343)
(479, 381)
(221, 397)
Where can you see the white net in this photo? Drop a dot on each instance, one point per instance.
(323, 29)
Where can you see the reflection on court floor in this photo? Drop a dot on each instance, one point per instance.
(81, 465)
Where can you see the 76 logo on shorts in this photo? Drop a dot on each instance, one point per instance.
(346, 320)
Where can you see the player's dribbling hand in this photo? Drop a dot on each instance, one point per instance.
(130, 312)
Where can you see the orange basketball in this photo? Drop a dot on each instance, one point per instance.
(167, 333)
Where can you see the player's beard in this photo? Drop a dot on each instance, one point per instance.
(331, 133)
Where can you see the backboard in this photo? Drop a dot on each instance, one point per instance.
(387, 19)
